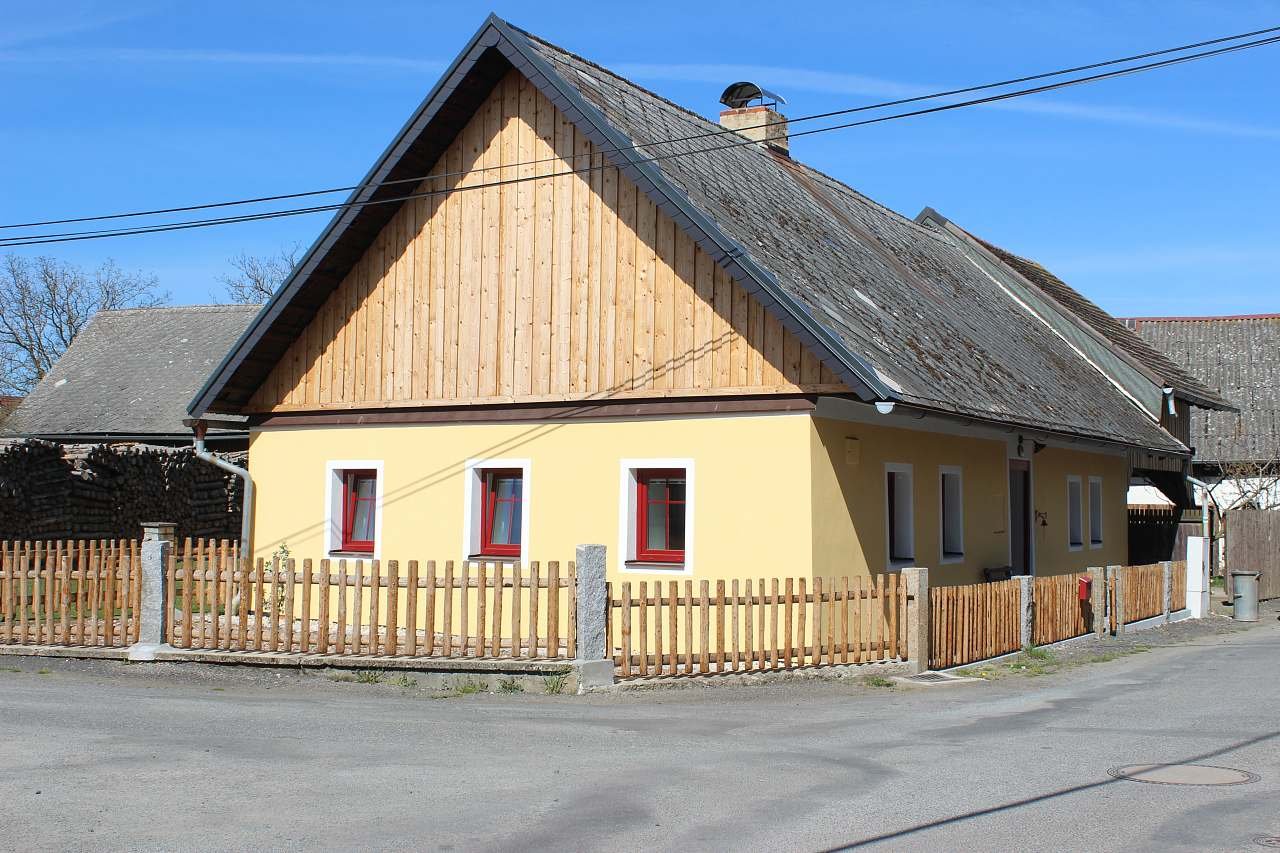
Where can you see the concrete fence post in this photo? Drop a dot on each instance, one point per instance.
(916, 580)
(157, 544)
(1115, 572)
(595, 666)
(1167, 568)
(1198, 576)
(1098, 600)
(1026, 621)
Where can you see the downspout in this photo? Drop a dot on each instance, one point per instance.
(246, 510)
(1204, 517)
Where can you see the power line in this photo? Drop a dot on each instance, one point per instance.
(75, 236)
(718, 132)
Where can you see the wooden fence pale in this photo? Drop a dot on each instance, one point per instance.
(1143, 591)
(743, 625)
(1178, 586)
(973, 622)
(70, 593)
(373, 607)
(1059, 613)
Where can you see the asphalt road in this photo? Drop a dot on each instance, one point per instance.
(100, 756)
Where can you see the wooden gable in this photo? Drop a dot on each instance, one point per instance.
(565, 289)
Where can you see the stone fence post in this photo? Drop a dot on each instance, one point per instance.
(1166, 568)
(1026, 623)
(1098, 600)
(1117, 573)
(916, 580)
(595, 665)
(157, 544)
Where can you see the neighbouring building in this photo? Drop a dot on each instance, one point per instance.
(99, 445)
(592, 320)
(1236, 452)
(128, 375)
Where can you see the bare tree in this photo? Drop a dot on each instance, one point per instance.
(257, 277)
(44, 303)
(1248, 485)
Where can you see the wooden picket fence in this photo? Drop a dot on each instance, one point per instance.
(973, 622)
(1059, 612)
(748, 625)
(1143, 591)
(70, 593)
(359, 607)
(1178, 586)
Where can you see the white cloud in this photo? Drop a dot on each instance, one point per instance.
(222, 57)
(800, 79)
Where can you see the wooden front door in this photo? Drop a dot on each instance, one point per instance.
(1020, 516)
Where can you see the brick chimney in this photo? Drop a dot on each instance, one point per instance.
(759, 121)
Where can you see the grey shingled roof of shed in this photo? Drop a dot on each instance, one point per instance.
(895, 310)
(131, 372)
(1241, 355)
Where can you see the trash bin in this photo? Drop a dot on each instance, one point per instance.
(1244, 604)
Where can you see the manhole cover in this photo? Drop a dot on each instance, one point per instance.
(1183, 774)
(1267, 840)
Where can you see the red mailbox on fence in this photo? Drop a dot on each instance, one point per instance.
(1084, 588)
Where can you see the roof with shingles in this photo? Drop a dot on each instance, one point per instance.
(1242, 356)
(131, 372)
(1109, 327)
(895, 310)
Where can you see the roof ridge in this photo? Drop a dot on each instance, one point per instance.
(866, 199)
(1200, 318)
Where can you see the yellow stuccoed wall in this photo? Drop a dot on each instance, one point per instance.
(751, 487)
(773, 495)
(1049, 471)
(848, 496)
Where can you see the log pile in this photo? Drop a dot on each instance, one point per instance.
(106, 491)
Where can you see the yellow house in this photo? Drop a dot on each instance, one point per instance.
(561, 309)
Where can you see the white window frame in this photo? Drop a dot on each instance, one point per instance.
(1095, 535)
(1076, 516)
(908, 469)
(627, 469)
(945, 471)
(473, 509)
(333, 473)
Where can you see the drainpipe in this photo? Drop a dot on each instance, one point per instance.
(1204, 514)
(246, 512)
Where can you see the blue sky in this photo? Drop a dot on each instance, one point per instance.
(1152, 194)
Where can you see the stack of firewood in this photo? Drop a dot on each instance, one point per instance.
(96, 491)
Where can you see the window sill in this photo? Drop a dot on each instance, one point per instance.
(505, 559)
(351, 555)
(950, 559)
(1094, 546)
(647, 565)
(899, 565)
(1078, 546)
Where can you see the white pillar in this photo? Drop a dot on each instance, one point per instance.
(1198, 576)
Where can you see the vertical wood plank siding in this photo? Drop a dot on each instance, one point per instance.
(569, 288)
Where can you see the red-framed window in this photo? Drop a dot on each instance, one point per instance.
(660, 515)
(503, 512)
(359, 502)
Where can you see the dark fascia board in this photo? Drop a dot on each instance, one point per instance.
(616, 147)
(619, 150)
(142, 437)
(341, 220)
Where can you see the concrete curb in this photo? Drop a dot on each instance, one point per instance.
(828, 672)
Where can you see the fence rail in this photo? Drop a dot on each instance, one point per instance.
(70, 593)
(973, 622)
(1059, 612)
(748, 625)
(358, 607)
